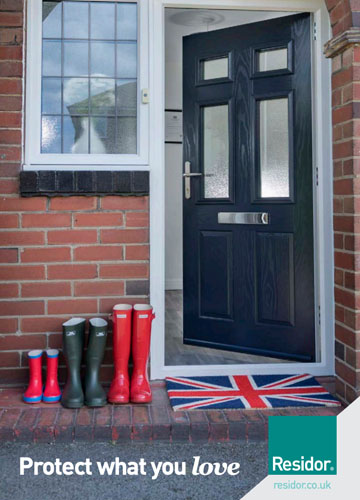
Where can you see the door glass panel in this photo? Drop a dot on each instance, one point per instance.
(215, 68)
(270, 60)
(216, 151)
(274, 148)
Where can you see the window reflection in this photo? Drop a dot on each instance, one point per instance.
(52, 19)
(89, 96)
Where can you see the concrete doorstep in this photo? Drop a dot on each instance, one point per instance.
(45, 423)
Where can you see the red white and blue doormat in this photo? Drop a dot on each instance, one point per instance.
(243, 391)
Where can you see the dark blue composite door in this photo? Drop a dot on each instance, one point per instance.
(248, 189)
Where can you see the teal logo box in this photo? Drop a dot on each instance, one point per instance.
(302, 445)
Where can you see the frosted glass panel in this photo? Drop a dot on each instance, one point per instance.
(270, 60)
(51, 134)
(215, 68)
(216, 151)
(76, 134)
(274, 148)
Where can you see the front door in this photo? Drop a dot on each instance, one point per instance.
(248, 200)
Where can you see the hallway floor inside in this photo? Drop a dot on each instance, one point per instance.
(177, 353)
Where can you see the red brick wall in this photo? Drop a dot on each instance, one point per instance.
(59, 257)
(345, 15)
(346, 126)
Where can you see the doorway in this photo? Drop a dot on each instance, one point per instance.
(204, 323)
(199, 359)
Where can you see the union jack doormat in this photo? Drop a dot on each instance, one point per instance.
(242, 391)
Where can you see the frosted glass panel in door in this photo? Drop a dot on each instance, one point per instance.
(274, 148)
(215, 68)
(216, 151)
(270, 60)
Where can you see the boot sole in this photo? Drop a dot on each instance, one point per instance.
(36, 399)
(72, 406)
(119, 401)
(51, 399)
(95, 405)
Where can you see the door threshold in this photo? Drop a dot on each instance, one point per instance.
(315, 369)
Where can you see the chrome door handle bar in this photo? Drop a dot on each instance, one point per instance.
(187, 176)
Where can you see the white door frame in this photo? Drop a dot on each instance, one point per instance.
(322, 146)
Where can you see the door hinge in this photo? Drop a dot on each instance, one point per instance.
(314, 31)
(319, 316)
(317, 175)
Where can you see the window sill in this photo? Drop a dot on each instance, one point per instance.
(84, 183)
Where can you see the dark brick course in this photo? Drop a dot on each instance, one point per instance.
(64, 183)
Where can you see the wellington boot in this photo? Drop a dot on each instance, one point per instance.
(73, 345)
(33, 393)
(94, 392)
(140, 391)
(52, 392)
(120, 385)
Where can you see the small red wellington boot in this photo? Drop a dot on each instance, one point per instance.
(140, 391)
(119, 389)
(52, 393)
(33, 393)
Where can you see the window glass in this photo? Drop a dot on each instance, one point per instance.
(126, 21)
(89, 78)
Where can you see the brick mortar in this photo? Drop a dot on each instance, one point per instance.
(250, 425)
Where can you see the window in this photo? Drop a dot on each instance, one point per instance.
(86, 68)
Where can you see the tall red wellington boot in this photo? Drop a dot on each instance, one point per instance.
(52, 393)
(119, 389)
(140, 391)
(33, 393)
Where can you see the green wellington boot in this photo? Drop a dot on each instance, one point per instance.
(94, 393)
(73, 345)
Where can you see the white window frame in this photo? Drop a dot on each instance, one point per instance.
(34, 159)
